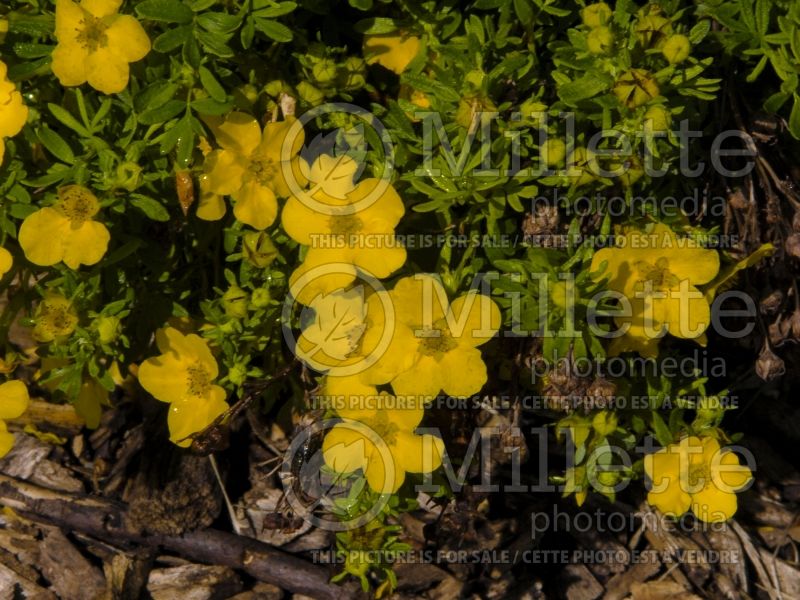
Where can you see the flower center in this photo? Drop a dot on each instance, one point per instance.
(198, 380)
(699, 476)
(92, 33)
(437, 340)
(58, 319)
(345, 225)
(78, 206)
(386, 430)
(263, 169)
(658, 275)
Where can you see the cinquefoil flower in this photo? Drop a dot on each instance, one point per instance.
(377, 436)
(65, 231)
(695, 473)
(95, 44)
(658, 273)
(251, 168)
(445, 339)
(183, 375)
(55, 318)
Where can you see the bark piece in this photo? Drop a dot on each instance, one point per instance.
(193, 582)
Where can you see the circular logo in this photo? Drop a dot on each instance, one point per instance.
(345, 148)
(333, 323)
(327, 499)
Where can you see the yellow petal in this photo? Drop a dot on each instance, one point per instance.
(106, 71)
(304, 225)
(393, 51)
(194, 415)
(384, 474)
(211, 206)
(475, 318)
(90, 401)
(666, 491)
(42, 236)
(424, 379)
(69, 17)
(345, 449)
(255, 205)
(224, 171)
(419, 300)
(14, 399)
(164, 377)
(322, 272)
(713, 505)
(69, 63)
(6, 440)
(275, 143)
(14, 115)
(463, 372)
(377, 199)
(379, 262)
(240, 134)
(127, 38)
(419, 453)
(6, 261)
(101, 8)
(685, 318)
(86, 244)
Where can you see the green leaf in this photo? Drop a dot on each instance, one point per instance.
(57, 146)
(663, 434)
(583, 88)
(151, 207)
(361, 4)
(376, 26)
(67, 119)
(162, 113)
(168, 11)
(172, 39)
(209, 106)
(794, 118)
(211, 85)
(273, 30)
(222, 23)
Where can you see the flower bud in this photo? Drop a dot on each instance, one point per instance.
(234, 301)
(553, 152)
(604, 423)
(128, 176)
(596, 15)
(260, 298)
(238, 374)
(258, 249)
(772, 303)
(676, 49)
(635, 88)
(652, 30)
(324, 71)
(657, 118)
(309, 94)
(600, 40)
(107, 329)
(532, 111)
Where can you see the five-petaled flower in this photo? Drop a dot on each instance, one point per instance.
(65, 231)
(658, 273)
(55, 318)
(696, 473)
(13, 112)
(13, 402)
(377, 435)
(444, 337)
(251, 167)
(95, 44)
(183, 375)
(351, 230)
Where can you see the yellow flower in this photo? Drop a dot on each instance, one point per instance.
(596, 15)
(13, 402)
(13, 113)
(95, 44)
(183, 375)
(55, 318)
(251, 168)
(658, 273)
(377, 436)
(65, 231)
(444, 338)
(352, 230)
(695, 473)
(395, 51)
(6, 262)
